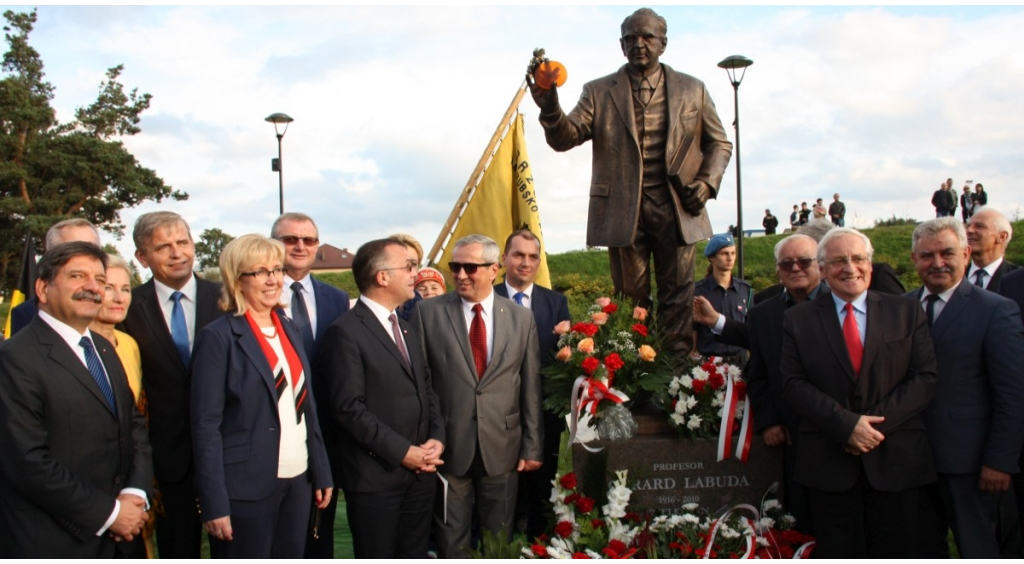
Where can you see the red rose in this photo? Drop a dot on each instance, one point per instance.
(613, 362)
(568, 481)
(580, 556)
(585, 504)
(716, 381)
(610, 308)
(793, 536)
(632, 517)
(641, 329)
(698, 386)
(618, 546)
(589, 365)
(597, 523)
(540, 550)
(563, 529)
(709, 367)
(588, 329)
(571, 498)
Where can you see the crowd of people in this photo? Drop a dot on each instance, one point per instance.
(900, 413)
(802, 215)
(238, 408)
(945, 200)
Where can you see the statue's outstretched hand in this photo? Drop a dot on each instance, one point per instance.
(696, 196)
(546, 99)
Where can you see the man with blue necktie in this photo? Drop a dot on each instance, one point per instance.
(521, 261)
(167, 312)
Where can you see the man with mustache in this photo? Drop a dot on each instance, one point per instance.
(76, 472)
(976, 422)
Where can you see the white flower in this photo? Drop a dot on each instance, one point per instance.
(681, 404)
(788, 519)
(678, 419)
(691, 402)
(690, 507)
(593, 555)
(762, 542)
(689, 519)
(673, 386)
(699, 374)
(734, 371)
(694, 422)
(766, 522)
(770, 504)
(719, 400)
(617, 530)
(686, 381)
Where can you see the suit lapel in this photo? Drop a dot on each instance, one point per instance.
(957, 302)
(502, 320)
(453, 307)
(150, 306)
(322, 308)
(207, 295)
(373, 325)
(622, 98)
(874, 334)
(833, 332)
(251, 347)
(61, 354)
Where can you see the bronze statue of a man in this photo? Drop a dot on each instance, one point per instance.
(650, 180)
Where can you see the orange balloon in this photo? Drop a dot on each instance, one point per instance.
(550, 73)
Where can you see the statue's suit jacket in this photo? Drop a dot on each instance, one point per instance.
(165, 377)
(501, 412)
(977, 417)
(897, 381)
(604, 114)
(66, 455)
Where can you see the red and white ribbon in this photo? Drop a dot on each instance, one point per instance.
(728, 422)
(587, 393)
(718, 523)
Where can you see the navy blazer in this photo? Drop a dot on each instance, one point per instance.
(549, 309)
(977, 417)
(330, 304)
(235, 423)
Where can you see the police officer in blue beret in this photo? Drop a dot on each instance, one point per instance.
(729, 295)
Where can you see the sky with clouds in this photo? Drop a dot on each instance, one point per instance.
(393, 106)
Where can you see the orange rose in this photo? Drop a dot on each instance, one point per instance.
(564, 354)
(639, 313)
(599, 318)
(586, 346)
(562, 328)
(646, 353)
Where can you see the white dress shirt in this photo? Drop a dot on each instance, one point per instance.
(860, 312)
(941, 302)
(990, 269)
(188, 305)
(527, 298)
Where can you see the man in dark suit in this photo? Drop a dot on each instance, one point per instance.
(482, 351)
(859, 368)
(313, 306)
(521, 261)
(1012, 286)
(988, 234)
(167, 313)
(643, 119)
(976, 422)
(74, 229)
(387, 418)
(76, 464)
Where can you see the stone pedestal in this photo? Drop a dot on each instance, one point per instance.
(666, 472)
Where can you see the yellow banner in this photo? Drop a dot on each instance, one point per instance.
(16, 299)
(504, 201)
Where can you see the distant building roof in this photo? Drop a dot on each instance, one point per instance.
(329, 257)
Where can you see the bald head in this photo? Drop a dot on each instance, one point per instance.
(988, 234)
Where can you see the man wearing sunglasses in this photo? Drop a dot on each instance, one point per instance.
(313, 306)
(483, 354)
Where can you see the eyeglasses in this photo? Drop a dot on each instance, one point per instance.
(409, 267)
(469, 267)
(790, 265)
(856, 260)
(292, 240)
(262, 274)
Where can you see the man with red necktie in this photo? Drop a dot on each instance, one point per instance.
(859, 367)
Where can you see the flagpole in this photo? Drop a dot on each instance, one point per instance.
(474, 178)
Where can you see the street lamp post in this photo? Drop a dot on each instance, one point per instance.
(730, 64)
(277, 164)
